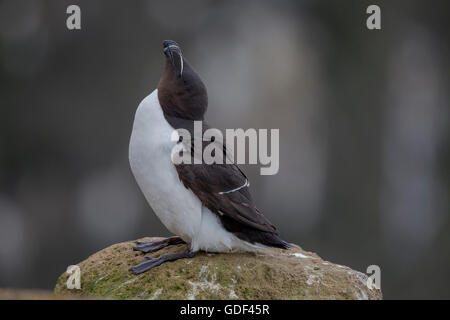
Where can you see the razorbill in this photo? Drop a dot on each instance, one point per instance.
(207, 206)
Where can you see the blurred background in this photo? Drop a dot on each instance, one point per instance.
(363, 118)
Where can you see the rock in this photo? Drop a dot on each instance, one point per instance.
(30, 294)
(269, 274)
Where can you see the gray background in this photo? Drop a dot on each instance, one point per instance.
(363, 118)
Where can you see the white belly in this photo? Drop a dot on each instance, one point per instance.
(176, 206)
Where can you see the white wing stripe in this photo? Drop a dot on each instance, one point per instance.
(246, 184)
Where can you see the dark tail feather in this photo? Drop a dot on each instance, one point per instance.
(252, 235)
(265, 238)
(277, 242)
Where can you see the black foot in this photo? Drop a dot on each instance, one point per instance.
(153, 246)
(150, 263)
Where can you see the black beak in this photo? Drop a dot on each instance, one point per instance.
(173, 52)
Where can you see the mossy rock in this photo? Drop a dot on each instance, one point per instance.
(269, 274)
(30, 294)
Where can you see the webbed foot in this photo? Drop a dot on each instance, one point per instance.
(150, 263)
(152, 246)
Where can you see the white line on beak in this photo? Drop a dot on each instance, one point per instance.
(181, 63)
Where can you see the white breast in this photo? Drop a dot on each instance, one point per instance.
(176, 206)
(150, 159)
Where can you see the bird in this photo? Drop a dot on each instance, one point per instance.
(207, 206)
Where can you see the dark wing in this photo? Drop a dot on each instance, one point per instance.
(223, 189)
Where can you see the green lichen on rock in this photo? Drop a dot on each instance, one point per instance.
(269, 274)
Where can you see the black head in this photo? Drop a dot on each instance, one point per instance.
(174, 56)
(181, 91)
